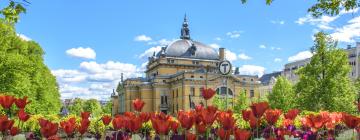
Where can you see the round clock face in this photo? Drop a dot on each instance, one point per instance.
(225, 67)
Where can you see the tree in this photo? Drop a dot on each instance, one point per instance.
(282, 95)
(76, 107)
(324, 83)
(242, 102)
(24, 73)
(93, 106)
(220, 102)
(107, 107)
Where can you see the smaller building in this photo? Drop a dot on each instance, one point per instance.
(291, 68)
(267, 82)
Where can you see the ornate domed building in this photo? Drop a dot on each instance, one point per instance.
(176, 75)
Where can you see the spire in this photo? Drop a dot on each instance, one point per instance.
(185, 32)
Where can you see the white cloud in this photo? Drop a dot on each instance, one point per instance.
(243, 56)
(321, 23)
(93, 80)
(69, 76)
(348, 32)
(300, 56)
(343, 11)
(262, 46)
(218, 39)
(275, 48)
(234, 34)
(24, 37)
(252, 70)
(149, 52)
(231, 56)
(281, 22)
(143, 38)
(277, 60)
(81, 52)
(215, 46)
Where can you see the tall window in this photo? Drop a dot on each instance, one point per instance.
(192, 91)
(222, 91)
(252, 93)
(163, 99)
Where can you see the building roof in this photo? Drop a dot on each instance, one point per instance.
(186, 47)
(266, 78)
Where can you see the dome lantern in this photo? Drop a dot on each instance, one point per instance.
(185, 31)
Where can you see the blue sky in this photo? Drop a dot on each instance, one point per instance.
(88, 44)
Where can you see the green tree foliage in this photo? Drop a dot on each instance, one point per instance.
(282, 95)
(324, 83)
(328, 7)
(107, 107)
(12, 11)
(76, 107)
(220, 102)
(93, 106)
(23, 72)
(241, 103)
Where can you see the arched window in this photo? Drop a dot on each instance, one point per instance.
(222, 91)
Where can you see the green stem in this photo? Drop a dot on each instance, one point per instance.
(257, 128)
(207, 133)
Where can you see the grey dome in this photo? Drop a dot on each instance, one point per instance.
(190, 49)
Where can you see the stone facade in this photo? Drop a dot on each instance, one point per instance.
(176, 75)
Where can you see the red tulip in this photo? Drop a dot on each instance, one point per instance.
(272, 116)
(161, 123)
(287, 122)
(145, 116)
(5, 123)
(6, 101)
(133, 123)
(291, 114)
(259, 109)
(85, 115)
(241, 134)
(186, 119)
(200, 128)
(23, 116)
(174, 126)
(69, 126)
(208, 115)
(48, 129)
(138, 104)
(315, 121)
(118, 122)
(248, 116)
(198, 108)
(106, 119)
(208, 93)
(84, 125)
(223, 134)
(21, 103)
(14, 131)
(226, 120)
(351, 121)
(190, 136)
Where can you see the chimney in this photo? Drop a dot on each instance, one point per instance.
(222, 53)
(122, 78)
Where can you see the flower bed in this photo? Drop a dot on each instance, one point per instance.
(204, 122)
